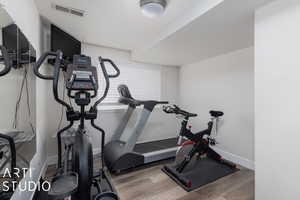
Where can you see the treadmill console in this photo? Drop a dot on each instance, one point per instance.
(81, 75)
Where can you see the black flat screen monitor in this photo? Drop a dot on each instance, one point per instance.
(61, 40)
(14, 40)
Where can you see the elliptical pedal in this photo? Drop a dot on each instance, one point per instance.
(64, 185)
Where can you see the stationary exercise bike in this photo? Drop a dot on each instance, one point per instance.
(75, 176)
(194, 153)
(6, 195)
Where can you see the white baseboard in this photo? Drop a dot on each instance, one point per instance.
(249, 164)
(52, 160)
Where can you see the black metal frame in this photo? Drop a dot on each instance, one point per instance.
(13, 153)
(82, 146)
(201, 145)
(10, 140)
(5, 59)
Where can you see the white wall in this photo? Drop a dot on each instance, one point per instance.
(26, 16)
(160, 126)
(277, 100)
(10, 88)
(224, 83)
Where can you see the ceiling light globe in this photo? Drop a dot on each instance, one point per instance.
(153, 8)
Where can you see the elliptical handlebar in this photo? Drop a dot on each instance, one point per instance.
(5, 58)
(41, 60)
(94, 107)
(55, 77)
(106, 77)
(103, 60)
(57, 67)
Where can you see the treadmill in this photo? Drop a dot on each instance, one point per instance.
(122, 155)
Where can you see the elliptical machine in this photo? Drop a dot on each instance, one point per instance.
(78, 179)
(6, 195)
(196, 163)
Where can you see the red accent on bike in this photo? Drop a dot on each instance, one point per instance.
(189, 184)
(188, 143)
(190, 127)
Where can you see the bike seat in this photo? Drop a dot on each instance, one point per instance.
(214, 113)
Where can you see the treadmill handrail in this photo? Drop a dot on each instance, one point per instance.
(153, 102)
(126, 98)
(129, 101)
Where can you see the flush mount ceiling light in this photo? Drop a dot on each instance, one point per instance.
(153, 8)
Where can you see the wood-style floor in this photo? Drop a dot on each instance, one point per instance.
(152, 184)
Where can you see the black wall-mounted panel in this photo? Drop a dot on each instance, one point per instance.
(14, 40)
(61, 40)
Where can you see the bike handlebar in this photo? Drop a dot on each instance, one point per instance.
(176, 110)
(7, 66)
(162, 102)
(172, 110)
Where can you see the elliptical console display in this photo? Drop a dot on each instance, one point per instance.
(82, 85)
(82, 76)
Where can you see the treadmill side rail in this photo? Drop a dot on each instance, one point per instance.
(160, 155)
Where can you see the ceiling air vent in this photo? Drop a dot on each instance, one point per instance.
(69, 10)
(77, 12)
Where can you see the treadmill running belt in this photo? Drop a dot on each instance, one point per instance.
(155, 145)
(205, 171)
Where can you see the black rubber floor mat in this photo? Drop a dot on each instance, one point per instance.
(205, 171)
